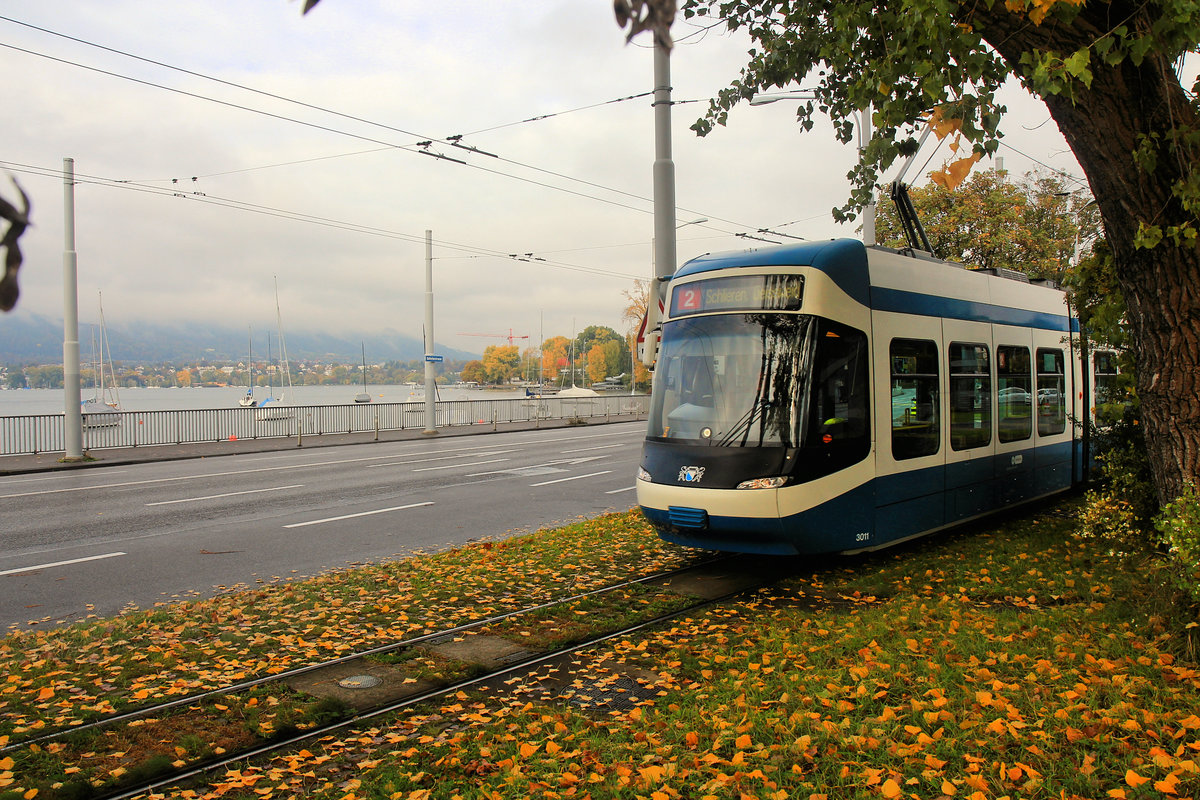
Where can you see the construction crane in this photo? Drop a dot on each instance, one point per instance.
(510, 336)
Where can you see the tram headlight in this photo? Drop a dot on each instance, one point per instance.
(642, 475)
(763, 483)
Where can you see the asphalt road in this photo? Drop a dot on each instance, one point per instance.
(99, 540)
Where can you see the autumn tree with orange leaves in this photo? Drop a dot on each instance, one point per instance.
(501, 362)
(995, 219)
(1109, 74)
(554, 356)
(638, 301)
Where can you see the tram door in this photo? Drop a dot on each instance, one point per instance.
(910, 407)
(1016, 412)
(970, 405)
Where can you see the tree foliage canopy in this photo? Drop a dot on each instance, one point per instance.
(916, 60)
(1031, 223)
(1109, 75)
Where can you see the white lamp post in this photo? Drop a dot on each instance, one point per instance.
(864, 136)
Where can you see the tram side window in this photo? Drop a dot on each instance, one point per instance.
(915, 414)
(1051, 392)
(839, 395)
(1014, 396)
(1107, 402)
(970, 396)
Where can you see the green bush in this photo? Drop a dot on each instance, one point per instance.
(1120, 510)
(1179, 527)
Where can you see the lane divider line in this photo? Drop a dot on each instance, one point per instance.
(574, 478)
(618, 491)
(457, 466)
(360, 514)
(59, 563)
(441, 458)
(597, 447)
(226, 494)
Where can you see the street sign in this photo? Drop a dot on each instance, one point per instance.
(435, 359)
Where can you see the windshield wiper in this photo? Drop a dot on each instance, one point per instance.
(742, 426)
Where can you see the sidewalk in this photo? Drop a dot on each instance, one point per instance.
(109, 457)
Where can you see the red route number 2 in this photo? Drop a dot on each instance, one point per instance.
(689, 299)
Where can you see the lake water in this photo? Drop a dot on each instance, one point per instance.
(28, 402)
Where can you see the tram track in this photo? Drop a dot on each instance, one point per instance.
(415, 641)
(492, 677)
(195, 712)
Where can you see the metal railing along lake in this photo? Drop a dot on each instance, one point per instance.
(43, 433)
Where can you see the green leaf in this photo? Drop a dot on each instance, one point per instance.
(1077, 65)
(1148, 236)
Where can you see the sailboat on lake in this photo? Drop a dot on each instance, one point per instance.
(364, 396)
(575, 392)
(101, 410)
(248, 400)
(272, 408)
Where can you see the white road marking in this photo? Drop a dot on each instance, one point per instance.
(440, 458)
(618, 491)
(597, 447)
(59, 563)
(227, 494)
(360, 514)
(58, 477)
(574, 478)
(518, 470)
(456, 466)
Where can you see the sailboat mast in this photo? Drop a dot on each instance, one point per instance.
(104, 346)
(282, 344)
(95, 370)
(269, 365)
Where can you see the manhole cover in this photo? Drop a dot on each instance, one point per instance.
(359, 682)
(622, 694)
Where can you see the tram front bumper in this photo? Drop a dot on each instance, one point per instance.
(736, 520)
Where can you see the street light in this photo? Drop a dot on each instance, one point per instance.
(653, 249)
(864, 136)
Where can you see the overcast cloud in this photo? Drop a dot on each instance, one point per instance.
(355, 262)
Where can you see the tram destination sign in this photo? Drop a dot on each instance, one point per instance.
(739, 293)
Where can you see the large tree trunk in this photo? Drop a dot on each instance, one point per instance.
(1103, 124)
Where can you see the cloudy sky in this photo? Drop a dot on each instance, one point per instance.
(265, 144)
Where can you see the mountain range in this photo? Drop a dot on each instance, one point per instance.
(34, 339)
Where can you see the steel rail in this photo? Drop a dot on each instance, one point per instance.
(415, 641)
(524, 664)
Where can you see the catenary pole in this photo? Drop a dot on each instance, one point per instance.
(664, 199)
(430, 385)
(73, 418)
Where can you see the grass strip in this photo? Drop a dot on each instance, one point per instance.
(1005, 661)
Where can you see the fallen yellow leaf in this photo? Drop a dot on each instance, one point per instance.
(1133, 779)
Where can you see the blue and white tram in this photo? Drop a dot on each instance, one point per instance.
(832, 397)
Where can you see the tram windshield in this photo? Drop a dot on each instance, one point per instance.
(761, 380)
